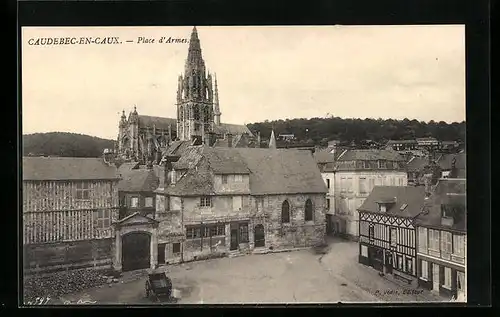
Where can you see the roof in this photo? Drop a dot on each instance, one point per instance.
(282, 171)
(370, 155)
(410, 195)
(445, 161)
(189, 157)
(417, 163)
(67, 168)
(447, 191)
(138, 180)
(158, 122)
(233, 129)
(401, 142)
(177, 148)
(271, 171)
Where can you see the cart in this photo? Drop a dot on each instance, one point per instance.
(159, 287)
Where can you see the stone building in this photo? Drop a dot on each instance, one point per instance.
(357, 172)
(442, 240)
(213, 201)
(69, 205)
(144, 138)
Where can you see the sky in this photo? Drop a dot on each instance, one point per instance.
(263, 73)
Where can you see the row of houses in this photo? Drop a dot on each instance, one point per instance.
(201, 201)
(418, 236)
(351, 174)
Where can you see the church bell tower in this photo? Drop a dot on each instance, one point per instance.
(195, 113)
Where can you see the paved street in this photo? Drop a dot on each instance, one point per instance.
(289, 277)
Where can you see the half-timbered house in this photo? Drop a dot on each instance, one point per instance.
(442, 240)
(387, 234)
(68, 207)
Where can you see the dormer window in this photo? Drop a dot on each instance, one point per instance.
(382, 208)
(382, 164)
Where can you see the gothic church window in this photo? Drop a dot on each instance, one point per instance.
(285, 212)
(196, 113)
(308, 216)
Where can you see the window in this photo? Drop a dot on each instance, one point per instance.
(394, 237)
(285, 212)
(328, 204)
(343, 185)
(364, 251)
(161, 253)
(382, 208)
(196, 127)
(103, 219)
(393, 181)
(349, 184)
(458, 245)
(193, 232)
(82, 191)
(363, 189)
(447, 277)
(221, 230)
(422, 239)
(308, 215)
(206, 232)
(409, 265)
(196, 113)
(371, 232)
(328, 183)
(148, 202)
(434, 239)
(424, 267)
(244, 233)
(382, 164)
(134, 202)
(399, 262)
(176, 248)
(366, 164)
(446, 242)
(205, 202)
(224, 179)
(461, 281)
(238, 178)
(237, 203)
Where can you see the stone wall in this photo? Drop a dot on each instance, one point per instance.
(57, 256)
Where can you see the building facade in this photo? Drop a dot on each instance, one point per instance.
(357, 172)
(442, 241)
(69, 205)
(387, 238)
(215, 201)
(144, 138)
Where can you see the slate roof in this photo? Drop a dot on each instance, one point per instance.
(272, 171)
(158, 122)
(401, 142)
(417, 164)
(447, 191)
(445, 161)
(67, 168)
(189, 157)
(138, 180)
(410, 195)
(233, 129)
(369, 155)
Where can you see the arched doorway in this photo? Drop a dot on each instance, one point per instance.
(259, 236)
(136, 251)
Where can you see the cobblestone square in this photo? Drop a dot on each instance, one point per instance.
(288, 277)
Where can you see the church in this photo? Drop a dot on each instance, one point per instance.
(145, 138)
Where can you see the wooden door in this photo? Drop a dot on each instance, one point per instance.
(136, 251)
(259, 236)
(234, 239)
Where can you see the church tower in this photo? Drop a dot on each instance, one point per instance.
(195, 113)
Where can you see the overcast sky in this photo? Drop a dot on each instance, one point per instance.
(417, 72)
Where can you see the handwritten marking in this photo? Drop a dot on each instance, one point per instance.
(39, 301)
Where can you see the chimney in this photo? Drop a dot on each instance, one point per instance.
(108, 156)
(229, 140)
(169, 172)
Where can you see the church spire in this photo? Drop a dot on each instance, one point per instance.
(272, 140)
(217, 112)
(194, 59)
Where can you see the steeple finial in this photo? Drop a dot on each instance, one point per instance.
(272, 140)
(217, 112)
(194, 51)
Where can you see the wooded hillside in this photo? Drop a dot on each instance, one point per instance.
(64, 144)
(321, 130)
